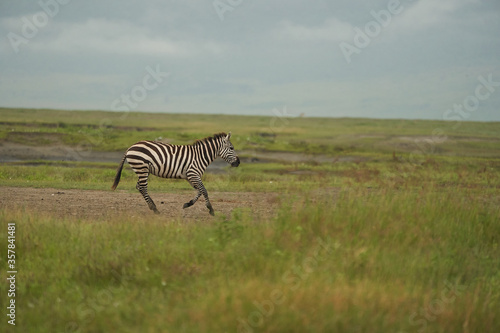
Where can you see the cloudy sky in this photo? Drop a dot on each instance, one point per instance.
(423, 59)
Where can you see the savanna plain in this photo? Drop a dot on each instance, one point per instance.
(328, 225)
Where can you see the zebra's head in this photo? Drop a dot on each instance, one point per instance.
(227, 152)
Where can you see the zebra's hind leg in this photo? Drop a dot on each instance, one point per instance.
(192, 201)
(144, 191)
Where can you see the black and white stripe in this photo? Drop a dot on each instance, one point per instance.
(177, 161)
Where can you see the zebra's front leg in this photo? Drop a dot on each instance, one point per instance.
(144, 191)
(197, 184)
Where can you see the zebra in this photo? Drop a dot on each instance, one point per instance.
(177, 161)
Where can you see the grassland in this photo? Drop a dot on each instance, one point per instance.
(381, 226)
(113, 131)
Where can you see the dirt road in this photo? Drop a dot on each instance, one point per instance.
(100, 205)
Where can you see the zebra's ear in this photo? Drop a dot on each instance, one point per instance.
(228, 136)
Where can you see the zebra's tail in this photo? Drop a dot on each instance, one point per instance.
(119, 173)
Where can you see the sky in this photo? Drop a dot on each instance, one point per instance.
(409, 59)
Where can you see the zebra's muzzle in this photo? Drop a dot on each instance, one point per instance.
(236, 163)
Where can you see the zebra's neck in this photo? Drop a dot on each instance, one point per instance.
(209, 148)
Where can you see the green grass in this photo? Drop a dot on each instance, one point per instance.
(115, 131)
(402, 237)
(383, 172)
(370, 260)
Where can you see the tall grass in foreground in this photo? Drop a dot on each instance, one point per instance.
(366, 261)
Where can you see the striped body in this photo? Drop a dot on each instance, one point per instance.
(164, 160)
(177, 161)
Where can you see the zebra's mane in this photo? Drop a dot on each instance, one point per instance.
(210, 138)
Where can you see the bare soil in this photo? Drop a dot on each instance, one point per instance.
(102, 205)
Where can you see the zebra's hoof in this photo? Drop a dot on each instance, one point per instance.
(212, 212)
(156, 211)
(187, 204)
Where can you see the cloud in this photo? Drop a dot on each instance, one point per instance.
(420, 15)
(121, 38)
(330, 31)
(425, 14)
